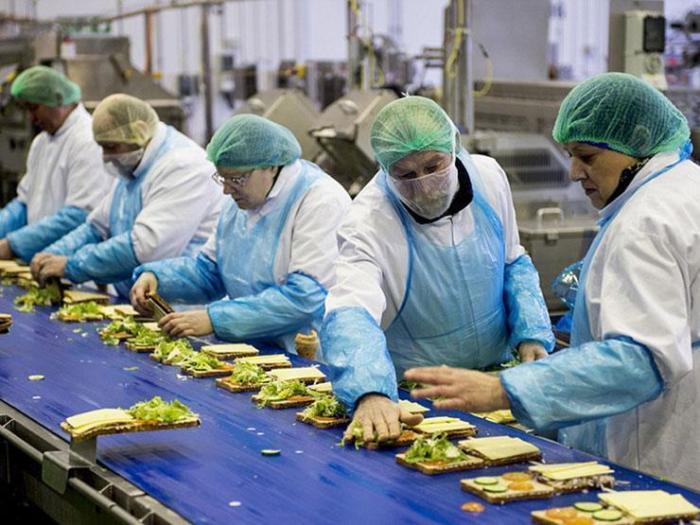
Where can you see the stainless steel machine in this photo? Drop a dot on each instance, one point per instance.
(98, 63)
(290, 108)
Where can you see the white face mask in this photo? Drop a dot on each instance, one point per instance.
(430, 195)
(123, 164)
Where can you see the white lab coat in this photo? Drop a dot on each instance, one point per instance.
(180, 202)
(64, 169)
(308, 240)
(372, 266)
(644, 283)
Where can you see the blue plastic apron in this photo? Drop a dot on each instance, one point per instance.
(591, 436)
(246, 253)
(452, 311)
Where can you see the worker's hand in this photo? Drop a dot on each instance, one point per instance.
(5, 250)
(186, 324)
(36, 263)
(52, 266)
(380, 419)
(147, 283)
(459, 389)
(531, 351)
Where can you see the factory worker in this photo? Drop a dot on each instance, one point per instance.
(273, 252)
(431, 270)
(629, 388)
(163, 202)
(65, 178)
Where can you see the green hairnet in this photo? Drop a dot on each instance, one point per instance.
(123, 119)
(409, 125)
(248, 142)
(623, 112)
(44, 85)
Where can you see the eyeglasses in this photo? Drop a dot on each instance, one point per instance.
(238, 180)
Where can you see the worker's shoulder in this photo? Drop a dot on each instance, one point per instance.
(324, 185)
(371, 208)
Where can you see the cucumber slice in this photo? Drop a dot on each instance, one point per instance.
(486, 480)
(270, 452)
(588, 506)
(495, 488)
(608, 515)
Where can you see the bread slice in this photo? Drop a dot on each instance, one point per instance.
(500, 450)
(557, 516)
(652, 506)
(406, 438)
(80, 296)
(566, 478)
(218, 372)
(140, 348)
(322, 422)
(268, 362)
(307, 374)
(502, 490)
(228, 351)
(292, 402)
(452, 427)
(118, 311)
(76, 318)
(432, 468)
(160, 306)
(227, 384)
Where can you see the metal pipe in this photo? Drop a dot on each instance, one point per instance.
(206, 74)
(148, 39)
(465, 81)
(352, 38)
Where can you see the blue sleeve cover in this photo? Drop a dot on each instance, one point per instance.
(276, 311)
(580, 384)
(193, 280)
(565, 285)
(12, 217)
(106, 262)
(354, 348)
(528, 319)
(32, 239)
(83, 235)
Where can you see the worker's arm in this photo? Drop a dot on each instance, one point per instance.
(81, 236)
(105, 262)
(29, 240)
(192, 280)
(12, 217)
(592, 381)
(528, 319)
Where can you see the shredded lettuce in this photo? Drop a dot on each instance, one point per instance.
(158, 410)
(173, 352)
(248, 374)
(436, 448)
(281, 391)
(81, 310)
(38, 297)
(326, 406)
(127, 325)
(201, 362)
(146, 337)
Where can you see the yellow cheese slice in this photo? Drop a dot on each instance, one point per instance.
(323, 388)
(118, 310)
(229, 349)
(645, 504)
(564, 471)
(413, 407)
(7, 264)
(433, 425)
(275, 359)
(308, 373)
(16, 269)
(499, 447)
(96, 418)
(152, 326)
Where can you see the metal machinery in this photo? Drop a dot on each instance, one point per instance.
(343, 132)
(290, 108)
(98, 63)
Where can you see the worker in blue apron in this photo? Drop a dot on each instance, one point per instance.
(163, 201)
(264, 275)
(431, 270)
(628, 388)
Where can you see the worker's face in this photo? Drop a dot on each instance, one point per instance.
(248, 188)
(597, 169)
(121, 159)
(48, 118)
(426, 182)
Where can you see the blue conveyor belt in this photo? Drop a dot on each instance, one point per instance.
(215, 473)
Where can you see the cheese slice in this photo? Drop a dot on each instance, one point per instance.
(645, 504)
(230, 349)
(564, 471)
(118, 310)
(97, 418)
(499, 447)
(413, 407)
(152, 326)
(307, 373)
(434, 425)
(79, 296)
(323, 388)
(497, 416)
(275, 359)
(7, 264)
